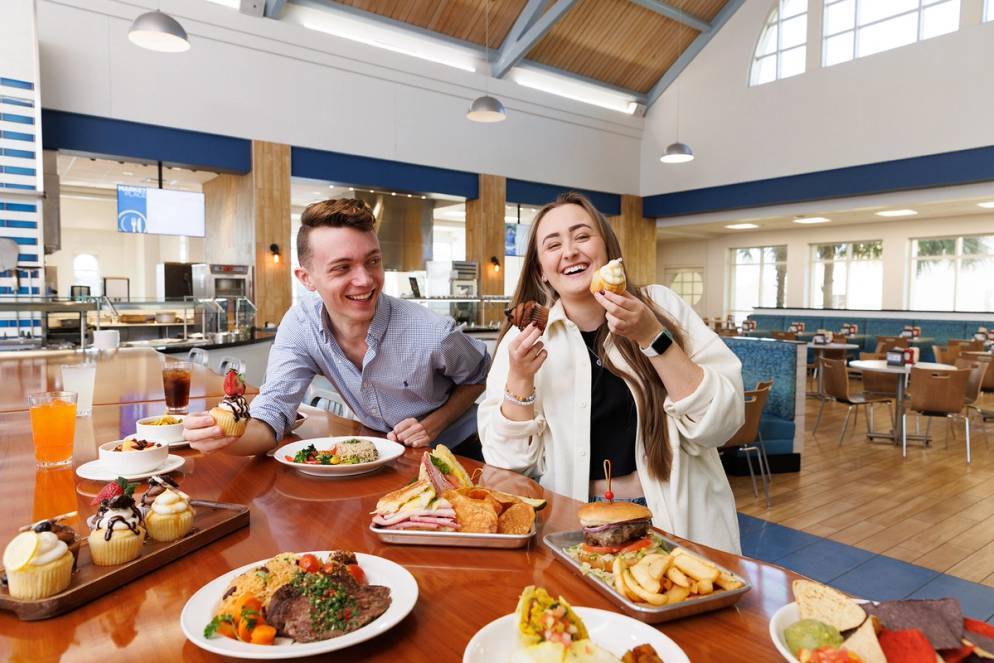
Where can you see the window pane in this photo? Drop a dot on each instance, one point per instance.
(774, 253)
(978, 245)
(975, 290)
(792, 62)
(768, 42)
(887, 35)
(745, 295)
(830, 251)
(932, 282)
(793, 7)
(874, 10)
(829, 285)
(795, 32)
(867, 250)
(764, 70)
(934, 247)
(989, 10)
(866, 285)
(774, 285)
(840, 16)
(746, 255)
(940, 19)
(838, 49)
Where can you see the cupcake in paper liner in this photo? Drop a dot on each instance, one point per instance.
(169, 516)
(231, 415)
(37, 564)
(523, 314)
(117, 531)
(609, 277)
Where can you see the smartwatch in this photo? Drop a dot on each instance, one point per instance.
(659, 345)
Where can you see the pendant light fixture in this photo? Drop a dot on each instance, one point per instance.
(487, 108)
(677, 152)
(157, 31)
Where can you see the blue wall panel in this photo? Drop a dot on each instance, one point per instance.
(535, 193)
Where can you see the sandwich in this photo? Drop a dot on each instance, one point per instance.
(441, 468)
(415, 506)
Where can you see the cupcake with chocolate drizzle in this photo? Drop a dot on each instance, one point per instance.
(523, 314)
(232, 413)
(117, 530)
(168, 514)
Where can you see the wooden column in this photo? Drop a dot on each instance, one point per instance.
(637, 236)
(485, 239)
(230, 220)
(271, 185)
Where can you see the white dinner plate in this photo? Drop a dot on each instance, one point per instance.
(387, 450)
(617, 633)
(199, 610)
(97, 471)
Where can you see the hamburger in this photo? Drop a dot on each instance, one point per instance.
(614, 527)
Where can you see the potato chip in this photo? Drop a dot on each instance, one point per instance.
(480, 493)
(475, 516)
(516, 519)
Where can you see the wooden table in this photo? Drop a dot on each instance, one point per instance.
(127, 375)
(461, 589)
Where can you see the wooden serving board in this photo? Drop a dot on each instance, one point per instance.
(212, 521)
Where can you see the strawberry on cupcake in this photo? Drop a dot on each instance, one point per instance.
(232, 413)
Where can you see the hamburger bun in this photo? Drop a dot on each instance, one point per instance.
(606, 513)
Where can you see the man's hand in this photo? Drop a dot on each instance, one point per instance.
(411, 433)
(203, 433)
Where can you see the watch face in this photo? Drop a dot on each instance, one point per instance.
(662, 342)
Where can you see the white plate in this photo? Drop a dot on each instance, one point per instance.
(388, 451)
(496, 642)
(199, 610)
(97, 471)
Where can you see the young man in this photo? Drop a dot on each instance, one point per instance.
(400, 367)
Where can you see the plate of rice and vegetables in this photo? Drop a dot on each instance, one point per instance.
(338, 456)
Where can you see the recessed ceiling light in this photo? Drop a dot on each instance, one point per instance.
(812, 219)
(128, 173)
(987, 205)
(742, 226)
(897, 212)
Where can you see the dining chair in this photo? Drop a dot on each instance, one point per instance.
(198, 356)
(885, 343)
(228, 363)
(784, 335)
(881, 384)
(937, 394)
(329, 401)
(977, 365)
(747, 439)
(835, 384)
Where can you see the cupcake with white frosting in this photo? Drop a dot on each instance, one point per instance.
(609, 277)
(37, 565)
(117, 531)
(168, 514)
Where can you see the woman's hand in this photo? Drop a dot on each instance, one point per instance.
(525, 355)
(627, 316)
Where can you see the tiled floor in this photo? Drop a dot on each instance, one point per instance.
(856, 571)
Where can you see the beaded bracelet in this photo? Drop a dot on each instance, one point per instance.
(518, 400)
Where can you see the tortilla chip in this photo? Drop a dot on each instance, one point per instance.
(516, 519)
(476, 516)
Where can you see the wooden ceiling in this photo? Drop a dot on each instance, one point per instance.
(617, 42)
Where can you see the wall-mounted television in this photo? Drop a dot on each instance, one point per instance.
(160, 211)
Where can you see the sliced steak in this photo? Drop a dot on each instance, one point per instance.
(290, 613)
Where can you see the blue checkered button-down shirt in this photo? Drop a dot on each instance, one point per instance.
(413, 361)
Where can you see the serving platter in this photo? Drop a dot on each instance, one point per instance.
(211, 521)
(559, 541)
(452, 539)
(199, 610)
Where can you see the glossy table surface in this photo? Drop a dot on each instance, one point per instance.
(127, 375)
(882, 366)
(461, 589)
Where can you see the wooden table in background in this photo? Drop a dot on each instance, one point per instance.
(126, 375)
(461, 589)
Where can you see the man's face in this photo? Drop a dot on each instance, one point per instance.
(346, 269)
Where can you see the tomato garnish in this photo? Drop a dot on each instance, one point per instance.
(600, 550)
(356, 571)
(309, 563)
(637, 545)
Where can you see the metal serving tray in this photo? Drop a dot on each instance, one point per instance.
(644, 612)
(456, 539)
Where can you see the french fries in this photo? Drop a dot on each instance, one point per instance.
(663, 579)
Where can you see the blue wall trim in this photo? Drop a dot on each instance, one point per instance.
(18, 224)
(13, 82)
(535, 193)
(946, 169)
(19, 154)
(372, 172)
(19, 207)
(17, 135)
(148, 142)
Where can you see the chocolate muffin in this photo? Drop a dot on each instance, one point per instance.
(522, 315)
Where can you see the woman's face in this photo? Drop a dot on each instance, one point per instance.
(570, 248)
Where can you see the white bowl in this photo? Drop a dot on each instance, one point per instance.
(127, 463)
(782, 618)
(170, 434)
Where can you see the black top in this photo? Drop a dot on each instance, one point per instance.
(613, 418)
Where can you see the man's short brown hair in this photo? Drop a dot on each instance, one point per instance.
(332, 213)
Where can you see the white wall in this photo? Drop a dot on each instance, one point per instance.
(933, 96)
(89, 225)
(271, 80)
(712, 255)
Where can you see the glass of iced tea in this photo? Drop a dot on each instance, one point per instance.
(176, 385)
(53, 423)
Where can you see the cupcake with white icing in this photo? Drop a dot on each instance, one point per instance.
(168, 514)
(117, 531)
(37, 565)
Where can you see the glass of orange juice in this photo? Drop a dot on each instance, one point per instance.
(53, 423)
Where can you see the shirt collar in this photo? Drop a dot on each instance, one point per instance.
(377, 328)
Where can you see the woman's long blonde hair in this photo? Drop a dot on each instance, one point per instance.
(649, 390)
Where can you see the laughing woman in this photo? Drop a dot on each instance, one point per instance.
(636, 378)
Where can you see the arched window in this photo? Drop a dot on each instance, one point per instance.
(86, 271)
(781, 50)
(856, 28)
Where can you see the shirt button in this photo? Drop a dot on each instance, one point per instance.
(583, 404)
(583, 453)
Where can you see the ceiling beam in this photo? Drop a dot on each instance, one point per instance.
(273, 8)
(672, 12)
(512, 52)
(529, 14)
(695, 47)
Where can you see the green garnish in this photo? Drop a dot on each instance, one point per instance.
(330, 603)
(304, 454)
(440, 464)
(262, 575)
(126, 486)
(215, 623)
